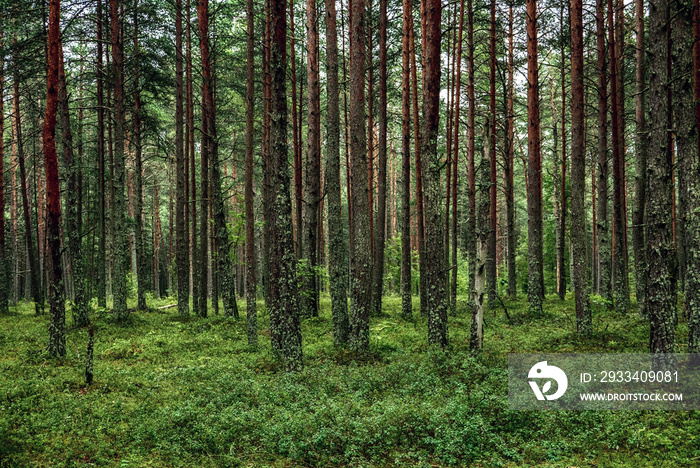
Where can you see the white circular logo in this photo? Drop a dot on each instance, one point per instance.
(542, 371)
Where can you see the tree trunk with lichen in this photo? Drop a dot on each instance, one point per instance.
(481, 234)
(661, 294)
(337, 243)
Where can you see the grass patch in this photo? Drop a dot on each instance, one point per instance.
(173, 392)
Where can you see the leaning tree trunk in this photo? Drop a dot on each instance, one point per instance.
(57, 328)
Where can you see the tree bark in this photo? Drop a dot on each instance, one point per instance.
(481, 237)
(638, 237)
(491, 261)
(360, 246)
(471, 144)
(380, 224)
(509, 165)
(250, 260)
(206, 147)
(337, 244)
(121, 236)
(535, 289)
(579, 241)
(80, 311)
(4, 264)
(312, 186)
(660, 290)
(455, 159)
(406, 263)
(284, 318)
(57, 327)
(436, 276)
(181, 241)
(102, 194)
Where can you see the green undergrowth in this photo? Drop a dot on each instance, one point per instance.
(190, 392)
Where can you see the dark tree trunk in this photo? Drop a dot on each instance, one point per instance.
(284, 318)
(603, 260)
(561, 243)
(692, 280)
(181, 241)
(31, 248)
(455, 159)
(141, 266)
(436, 276)
(337, 244)
(509, 165)
(380, 225)
(686, 136)
(491, 238)
(360, 246)
(102, 194)
(189, 92)
(57, 327)
(471, 144)
(535, 289)
(406, 299)
(80, 307)
(4, 263)
(250, 261)
(579, 239)
(121, 234)
(312, 180)
(206, 146)
(660, 251)
(638, 238)
(621, 286)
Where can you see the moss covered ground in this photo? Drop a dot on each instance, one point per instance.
(173, 392)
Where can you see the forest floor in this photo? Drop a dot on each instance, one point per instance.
(173, 392)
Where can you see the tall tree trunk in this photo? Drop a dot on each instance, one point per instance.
(189, 93)
(692, 280)
(483, 227)
(561, 253)
(471, 144)
(296, 132)
(686, 136)
(312, 184)
(455, 159)
(284, 318)
(337, 245)
(491, 260)
(436, 275)
(102, 194)
(80, 311)
(603, 260)
(181, 241)
(250, 261)
(31, 248)
(621, 286)
(509, 165)
(406, 264)
(579, 240)
(380, 225)
(535, 289)
(638, 238)
(660, 251)
(4, 264)
(141, 265)
(203, 25)
(57, 328)
(419, 176)
(121, 235)
(360, 246)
